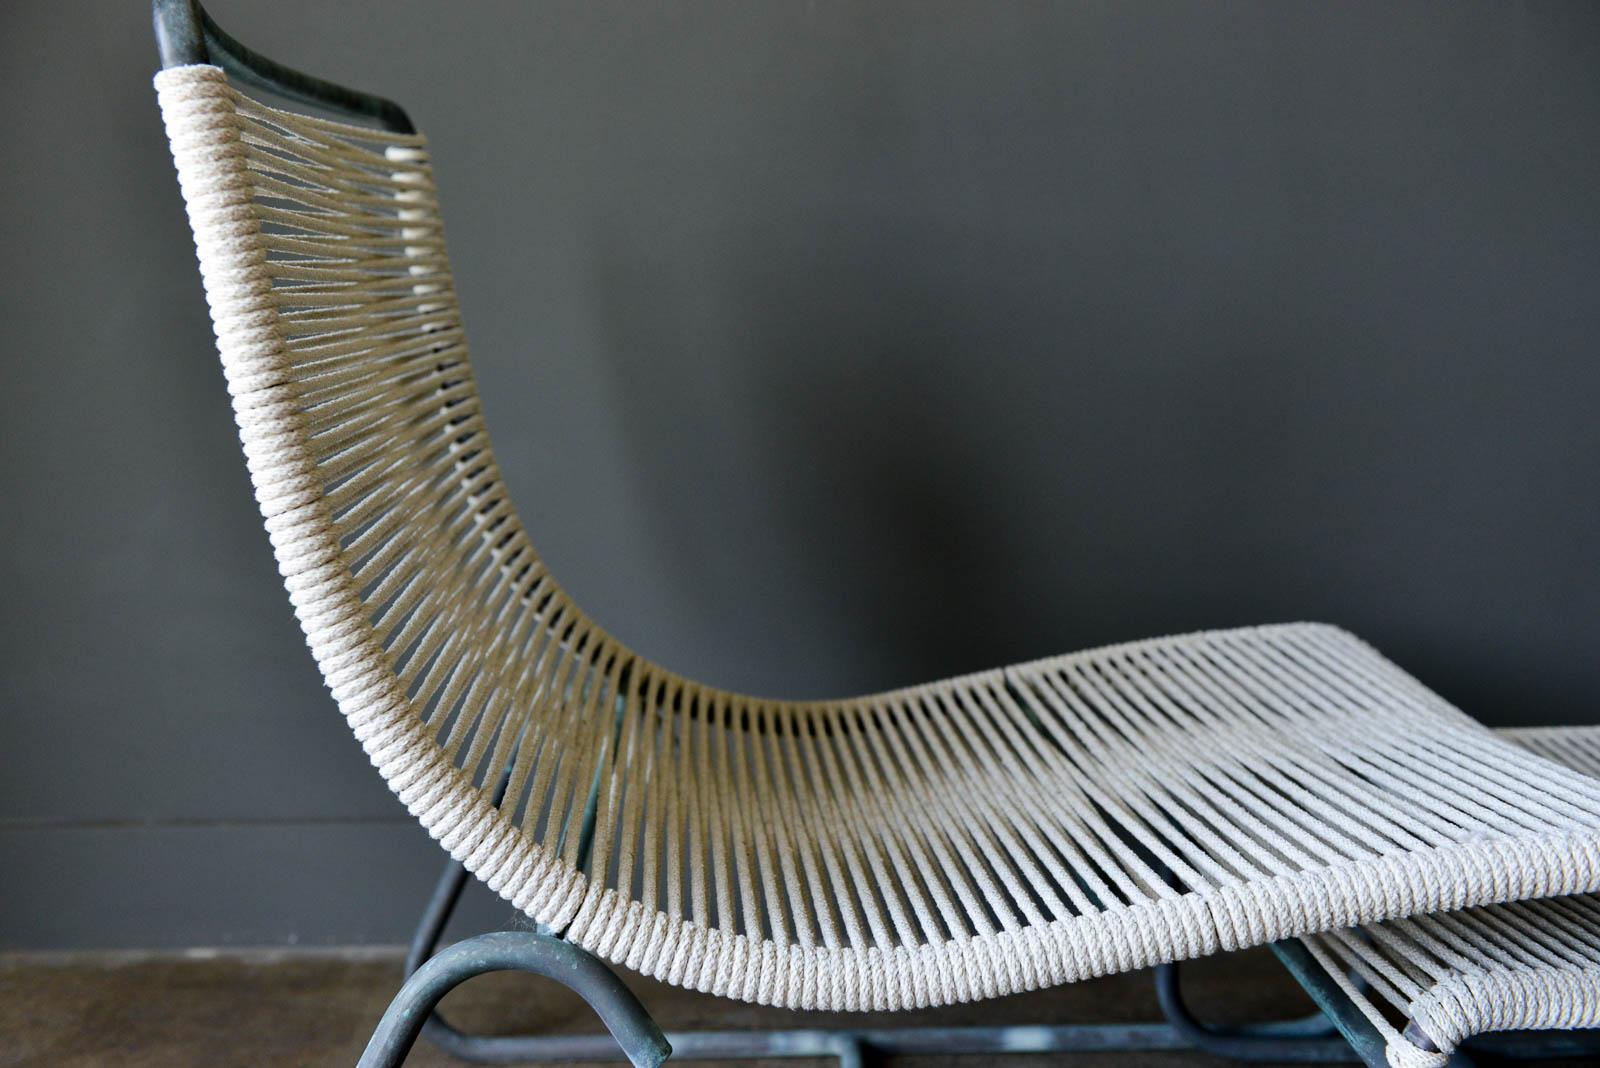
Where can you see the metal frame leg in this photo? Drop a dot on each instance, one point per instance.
(634, 1033)
(1363, 1037)
(1331, 999)
(852, 1047)
(634, 1036)
(1308, 1040)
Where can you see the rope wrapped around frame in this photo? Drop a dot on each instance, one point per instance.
(974, 837)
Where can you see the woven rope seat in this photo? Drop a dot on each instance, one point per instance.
(993, 833)
(1527, 965)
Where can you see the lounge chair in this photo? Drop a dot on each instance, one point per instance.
(965, 839)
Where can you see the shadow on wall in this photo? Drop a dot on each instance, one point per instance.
(955, 470)
(944, 342)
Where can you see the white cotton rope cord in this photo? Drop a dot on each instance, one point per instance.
(1527, 965)
(974, 837)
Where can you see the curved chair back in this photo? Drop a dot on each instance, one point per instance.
(448, 645)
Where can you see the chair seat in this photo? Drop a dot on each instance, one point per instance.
(969, 838)
(1092, 813)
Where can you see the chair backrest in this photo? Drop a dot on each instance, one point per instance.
(448, 646)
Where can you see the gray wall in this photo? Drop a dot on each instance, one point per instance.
(828, 346)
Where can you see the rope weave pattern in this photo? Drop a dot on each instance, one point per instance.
(974, 837)
(1531, 965)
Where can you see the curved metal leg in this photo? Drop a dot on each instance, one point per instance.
(1308, 1040)
(423, 943)
(853, 1048)
(501, 1049)
(529, 951)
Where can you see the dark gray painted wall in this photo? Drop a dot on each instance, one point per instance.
(827, 346)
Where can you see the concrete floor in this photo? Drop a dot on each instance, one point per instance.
(318, 1007)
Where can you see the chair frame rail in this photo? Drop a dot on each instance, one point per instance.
(853, 1047)
(1338, 1033)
